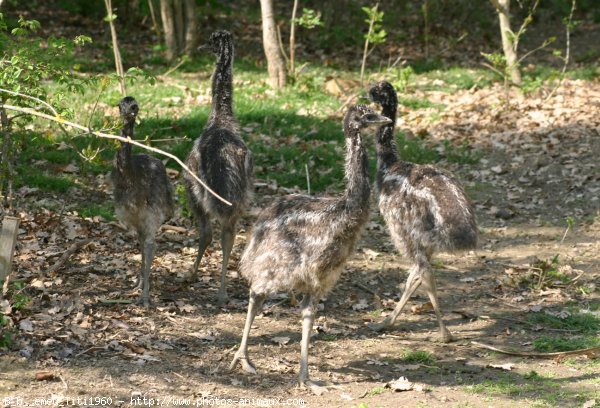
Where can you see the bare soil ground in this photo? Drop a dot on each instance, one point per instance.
(539, 166)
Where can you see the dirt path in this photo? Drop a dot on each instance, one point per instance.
(539, 167)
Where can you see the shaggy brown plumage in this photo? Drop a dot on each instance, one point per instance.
(301, 243)
(425, 208)
(221, 159)
(143, 194)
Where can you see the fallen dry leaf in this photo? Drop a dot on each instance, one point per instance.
(401, 384)
(506, 367)
(45, 376)
(422, 308)
(281, 340)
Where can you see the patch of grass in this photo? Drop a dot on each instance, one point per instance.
(584, 323)
(414, 150)
(548, 344)
(536, 390)
(6, 337)
(376, 391)
(457, 78)
(33, 177)
(420, 103)
(418, 356)
(105, 210)
(462, 155)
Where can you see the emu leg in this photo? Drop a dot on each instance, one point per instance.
(148, 247)
(430, 288)
(254, 306)
(227, 238)
(308, 318)
(412, 283)
(204, 240)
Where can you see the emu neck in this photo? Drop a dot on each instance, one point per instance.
(124, 152)
(387, 151)
(358, 189)
(222, 89)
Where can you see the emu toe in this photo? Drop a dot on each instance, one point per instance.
(382, 325)
(316, 387)
(247, 366)
(445, 336)
(222, 297)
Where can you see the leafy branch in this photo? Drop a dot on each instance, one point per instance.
(375, 35)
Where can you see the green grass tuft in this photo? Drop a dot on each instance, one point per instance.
(104, 210)
(418, 356)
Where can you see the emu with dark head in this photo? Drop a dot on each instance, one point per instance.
(301, 242)
(143, 194)
(221, 159)
(425, 208)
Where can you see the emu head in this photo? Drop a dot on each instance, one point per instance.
(219, 42)
(361, 117)
(383, 93)
(128, 108)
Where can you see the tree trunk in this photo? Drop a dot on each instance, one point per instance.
(167, 14)
(275, 62)
(191, 27)
(179, 24)
(293, 40)
(115, 44)
(508, 46)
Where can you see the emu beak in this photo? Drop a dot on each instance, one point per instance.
(380, 120)
(204, 47)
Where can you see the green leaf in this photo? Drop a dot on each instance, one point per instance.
(111, 17)
(82, 40)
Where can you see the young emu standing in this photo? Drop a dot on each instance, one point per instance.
(143, 194)
(425, 208)
(301, 242)
(220, 158)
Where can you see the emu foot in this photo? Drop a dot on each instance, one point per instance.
(222, 297)
(445, 336)
(247, 366)
(316, 387)
(382, 325)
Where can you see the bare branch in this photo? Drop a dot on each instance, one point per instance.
(33, 98)
(114, 137)
(591, 350)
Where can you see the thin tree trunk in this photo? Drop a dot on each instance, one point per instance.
(275, 62)
(115, 44)
(508, 46)
(155, 26)
(168, 20)
(293, 39)
(6, 169)
(191, 27)
(179, 24)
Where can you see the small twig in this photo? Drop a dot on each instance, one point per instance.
(93, 348)
(538, 355)
(347, 102)
(307, 178)
(170, 71)
(33, 98)
(366, 288)
(67, 254)
(280, 41)
(115, 301)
